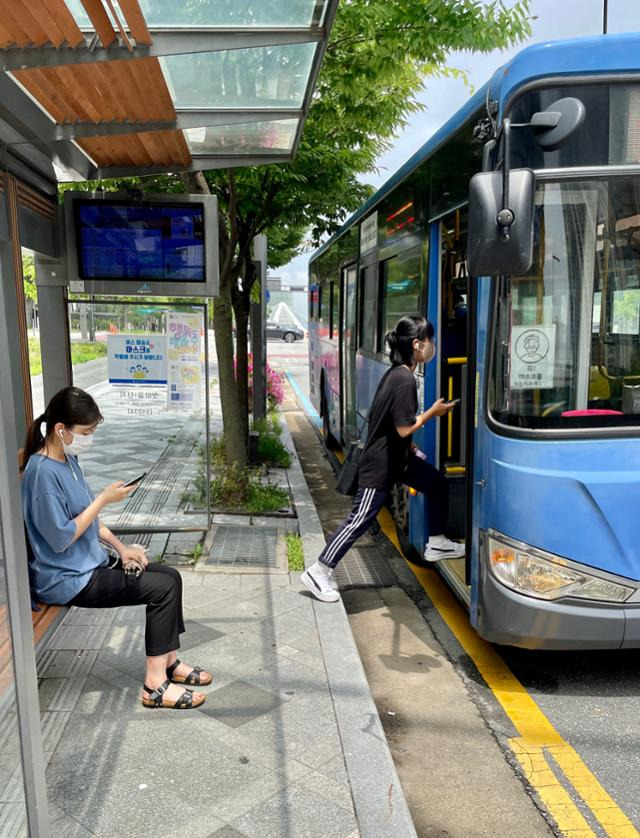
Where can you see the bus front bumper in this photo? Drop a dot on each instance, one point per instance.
(512, 619)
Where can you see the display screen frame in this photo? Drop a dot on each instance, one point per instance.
(143, 285)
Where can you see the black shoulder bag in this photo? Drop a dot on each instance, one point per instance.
(348, 478)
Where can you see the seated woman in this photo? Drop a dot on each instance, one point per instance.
(70, 566)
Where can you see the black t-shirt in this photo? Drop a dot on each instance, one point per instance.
(395, 404)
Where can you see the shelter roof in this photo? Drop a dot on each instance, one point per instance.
(110, 88)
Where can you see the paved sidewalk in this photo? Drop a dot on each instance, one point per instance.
(288, 745)
(263, 756)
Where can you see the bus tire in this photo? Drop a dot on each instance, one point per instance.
(328, 438)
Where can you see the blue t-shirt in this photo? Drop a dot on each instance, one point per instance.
(53, 494)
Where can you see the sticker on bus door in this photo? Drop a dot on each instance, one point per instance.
(532, 354)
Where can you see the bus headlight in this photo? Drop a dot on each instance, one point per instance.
(550, 577)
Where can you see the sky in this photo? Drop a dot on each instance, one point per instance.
(555, 19)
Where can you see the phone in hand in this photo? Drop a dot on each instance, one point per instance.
(454, 401)
(135, 480)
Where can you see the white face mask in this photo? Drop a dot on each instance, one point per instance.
(429, 351)
(80, 443)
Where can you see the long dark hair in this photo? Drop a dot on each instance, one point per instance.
(409, 328)
(71, 406)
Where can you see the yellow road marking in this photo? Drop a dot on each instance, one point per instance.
(556, 799)
(537, 736)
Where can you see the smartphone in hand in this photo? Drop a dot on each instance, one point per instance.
(135, 480)
(454, 402)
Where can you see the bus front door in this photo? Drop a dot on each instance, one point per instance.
(348, 352)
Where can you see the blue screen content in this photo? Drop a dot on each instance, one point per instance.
(147, 242)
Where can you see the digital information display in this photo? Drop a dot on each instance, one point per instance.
(150, 242)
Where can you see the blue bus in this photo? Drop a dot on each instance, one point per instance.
(531, 278)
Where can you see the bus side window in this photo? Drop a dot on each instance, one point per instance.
(367, 295)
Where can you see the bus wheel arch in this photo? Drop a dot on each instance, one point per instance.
(329, 440)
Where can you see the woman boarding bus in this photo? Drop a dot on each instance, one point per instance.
(391, 457)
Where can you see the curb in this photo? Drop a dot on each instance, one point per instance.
(378, 798)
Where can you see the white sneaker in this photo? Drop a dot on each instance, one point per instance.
(321, 585)
(440, 547)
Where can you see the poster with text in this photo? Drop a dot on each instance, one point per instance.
(137, 359)
(532, 357)
(184, 334)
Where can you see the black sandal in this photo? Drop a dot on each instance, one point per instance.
(156, 699)
(193, 679)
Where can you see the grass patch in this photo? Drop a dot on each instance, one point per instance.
(271, 450)
(80, 353)
(295, 554)
(244, 490)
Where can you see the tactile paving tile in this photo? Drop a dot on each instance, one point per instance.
(244, 546)
(364, 567)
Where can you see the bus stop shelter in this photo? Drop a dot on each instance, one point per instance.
(97, 89)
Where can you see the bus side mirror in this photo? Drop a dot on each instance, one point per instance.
(492, 251)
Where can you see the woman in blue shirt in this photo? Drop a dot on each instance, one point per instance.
(71, 567)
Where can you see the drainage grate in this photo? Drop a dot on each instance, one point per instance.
(244, 546)
(364, 567)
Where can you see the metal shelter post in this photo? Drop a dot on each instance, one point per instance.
(15, 552)
(259, 331)
(54, 327)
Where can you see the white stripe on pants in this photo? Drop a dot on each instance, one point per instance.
(364, 510)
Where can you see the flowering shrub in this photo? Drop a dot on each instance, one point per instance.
(275, 388)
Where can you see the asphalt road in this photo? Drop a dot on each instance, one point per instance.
(592, 699)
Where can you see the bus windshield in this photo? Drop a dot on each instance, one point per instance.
(567, 337)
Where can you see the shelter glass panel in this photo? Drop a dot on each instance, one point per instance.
(12, 814)
(147, 374)
(248, 138)
(238, 13)
(257, 77)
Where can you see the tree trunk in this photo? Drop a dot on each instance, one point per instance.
(232, 417)
(242, 368)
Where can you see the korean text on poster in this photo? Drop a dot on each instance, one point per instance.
(184, 333)
(532, 357)
(137, 359)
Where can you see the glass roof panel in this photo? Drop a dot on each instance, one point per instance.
(77, 10)
(236, 13)
(259, 77)
(275, 136)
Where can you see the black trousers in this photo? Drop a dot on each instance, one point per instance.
(159, 588)
(368, 502)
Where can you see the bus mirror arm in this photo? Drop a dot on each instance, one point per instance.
(505, 217)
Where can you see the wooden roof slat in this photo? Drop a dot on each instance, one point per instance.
(155, 93)
(20, 36)
(115, 109)
(39, 14)
(94, 147)
(100, 20)
(6, 38)
(82, 99)
(135, 20)
(135, 106)
(178, 146)
(123, 33)
(161, 90)
(66, 22)
(27, 21)
(39, 87)
(92, 78)
(153, 144)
